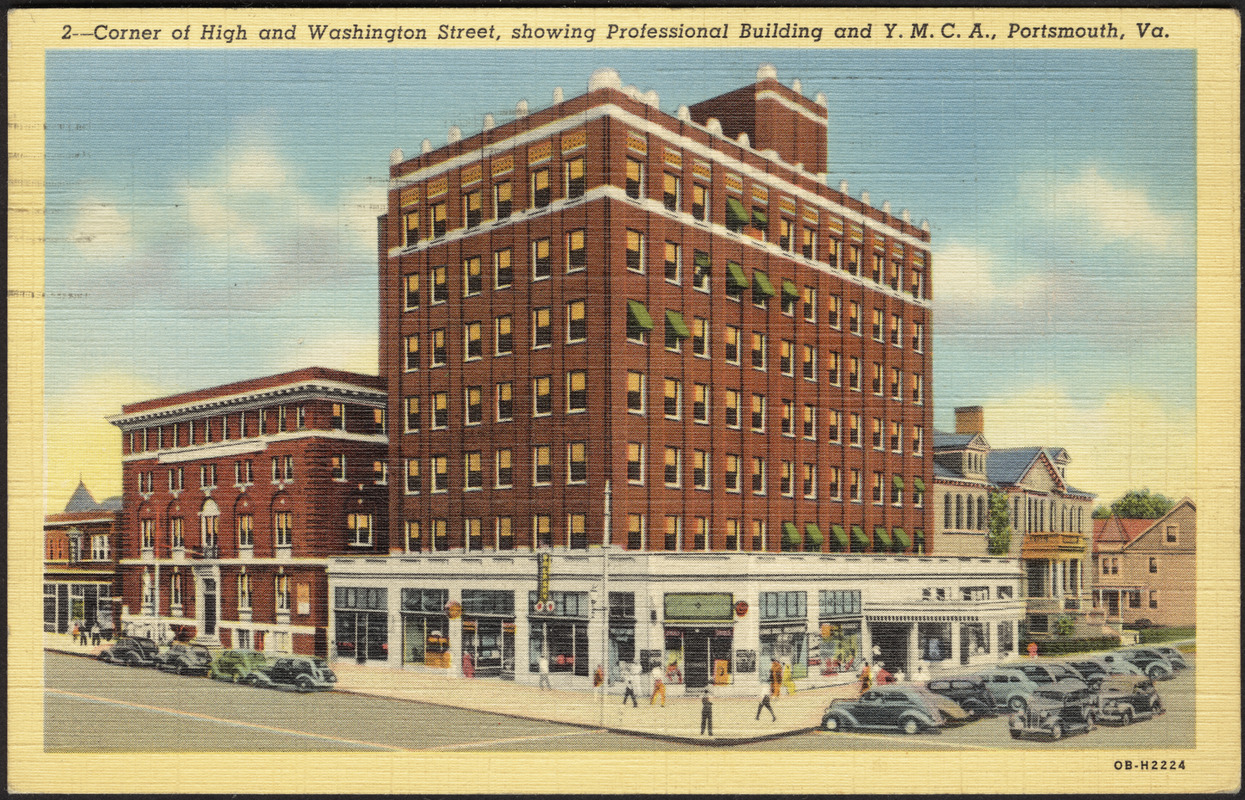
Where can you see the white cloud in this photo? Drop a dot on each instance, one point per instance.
(1114, 211)
(1127, 439)
(102, 230)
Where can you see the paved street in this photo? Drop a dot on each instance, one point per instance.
(96, 707)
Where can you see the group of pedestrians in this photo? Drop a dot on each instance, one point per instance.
(79, 633)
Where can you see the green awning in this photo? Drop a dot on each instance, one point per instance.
(839, 536)
(814, 534)
(918, 535)
(760, 219)
(790, 533)
(918, 484)
(897, 482)
(789, 290)
(858, 536)
(638, 315)
(902, 538)
(736, 214)
(674, 320)
(701, 260)
(735, 276)
(880, 534)
(763, 286)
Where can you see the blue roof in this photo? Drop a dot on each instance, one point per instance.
(1010, 465)
(81, 500)
(111, 503)
(951, 440)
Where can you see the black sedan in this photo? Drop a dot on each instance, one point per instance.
(301, 673)
(891, 708)
(1125, 698)
(133, 651)
(1055, 710)
(970, 692)
(185, 659)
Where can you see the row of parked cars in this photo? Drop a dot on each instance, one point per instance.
(297, 672)
(1044, 699)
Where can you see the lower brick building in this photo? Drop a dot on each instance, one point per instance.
(80, 564)
(234, 498)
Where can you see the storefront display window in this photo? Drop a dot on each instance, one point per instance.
(424, 620)
(361, 623)
(840, 648)
(562, 633)
(934, 640)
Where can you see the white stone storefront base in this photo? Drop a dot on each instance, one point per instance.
(714, 615)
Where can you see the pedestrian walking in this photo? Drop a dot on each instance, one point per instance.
(82, 634)
(881, 677)
(775, 677)
(765, 703)
(787, 680)
(95, 633)
(865, 682)
(598, 680)
(542, 666)
(629, 680)
(659, 688)
(706, 714)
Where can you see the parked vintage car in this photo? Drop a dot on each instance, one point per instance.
(969, 692)
(1148, 661)
(1009, 687)
(1125, 698)
(1094, 669)
(1173, 656)
(1053, 711)
(301, 673)
(1048, 673)
(185, 659)
(133, 651)
(953, 714)
(894, 708)
(236, 665)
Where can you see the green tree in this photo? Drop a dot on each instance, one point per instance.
(1141, 504)
(1064, 625)
(999, 535)
(1101, 512)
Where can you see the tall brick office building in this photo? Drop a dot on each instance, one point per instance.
(659, 395)
(234, 497)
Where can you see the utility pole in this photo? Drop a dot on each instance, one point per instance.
(605, 599)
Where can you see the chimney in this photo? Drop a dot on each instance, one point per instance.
(970, 419)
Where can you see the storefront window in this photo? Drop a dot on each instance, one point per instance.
(562, 634)
(840, 647)
(424, 620)
(934, 640)
(361, 623)
(621, 633)
(488, 633)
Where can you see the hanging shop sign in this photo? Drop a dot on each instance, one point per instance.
(741, 608)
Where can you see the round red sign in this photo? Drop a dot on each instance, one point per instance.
(741, 608)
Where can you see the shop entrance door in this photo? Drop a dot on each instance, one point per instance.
(702, 649)
(209, 607)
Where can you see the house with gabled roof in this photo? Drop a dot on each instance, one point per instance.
(80, 578)
(1145, 569)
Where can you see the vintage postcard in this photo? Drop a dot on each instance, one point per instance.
(763, 400)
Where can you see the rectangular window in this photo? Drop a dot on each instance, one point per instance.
(339, 467)
(877, 488)
(758, 475)
(440, 474)
(576, 391)
(877, 434)
(177, 540)
(810, 422)
(473, 276)
(786, 234)
(810, 363)
(473, 398)
(895, 275)
(635, 463)
(503, 268)
(440, 284)
(412, 292)
(358, 530)
(674, 399)
(877, 378)
(412, 352)
(674, 467)
(810, 481)
(674, 532)
(1154, 598)
(635, 392)
(673, 263)
(244, 592)
(473, 475)
(731, 344)
(733, 540)
(505, 402)
(876, 272)
(245, 526)
(853, 430)
(854, 485)
(700, 469)
(853, 317)
(834, 425)
(542, 401)
(730, 477)
(411, 412)
(473, 208)
(414, 537)
(440, 535)
(671, 186)
(542, 261)
(413, 482)
(896, 384)
(410, 228)
(853, 259)
(788, 418)
(832, 367)
(786, 358)
(731, 403)
(853, 373)
(473, 342)
(542, 466)
(542, 330)
(439, 353)
(700, 403)
(834, 304)
(785, 478)
(576, 254)
(503, 336)
(440, 411)
(635, 531)
(635, 179)
(503, 477)
(504, 527)
(503, 196)
(635, 251)
(918, 336)
(700, 201)
(700, 337)
(896, 437)
(700, 271)
(918, 388)
(810, 304)
(576, 181)
(542, 194)
(808, 248)
(577, 531)
(207, 476)
(759, 539)
(759, 350)
(834, 484)
(577, 462)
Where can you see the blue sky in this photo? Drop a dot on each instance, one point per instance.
(217, 210)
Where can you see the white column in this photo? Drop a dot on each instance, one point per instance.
(394, 656)
(955, 643)
(455, 634)
(914, 651)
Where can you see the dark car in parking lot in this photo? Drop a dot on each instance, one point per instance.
(1125, 698)
(133, 651)
(893, 708)
(1095, 669)
(1009, 687)
(1047, 673)
(1171, 654)
(301, 673)
(185, 659)
(1054, 711)
(236, 665)
(969, 692)
(1148, 661)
